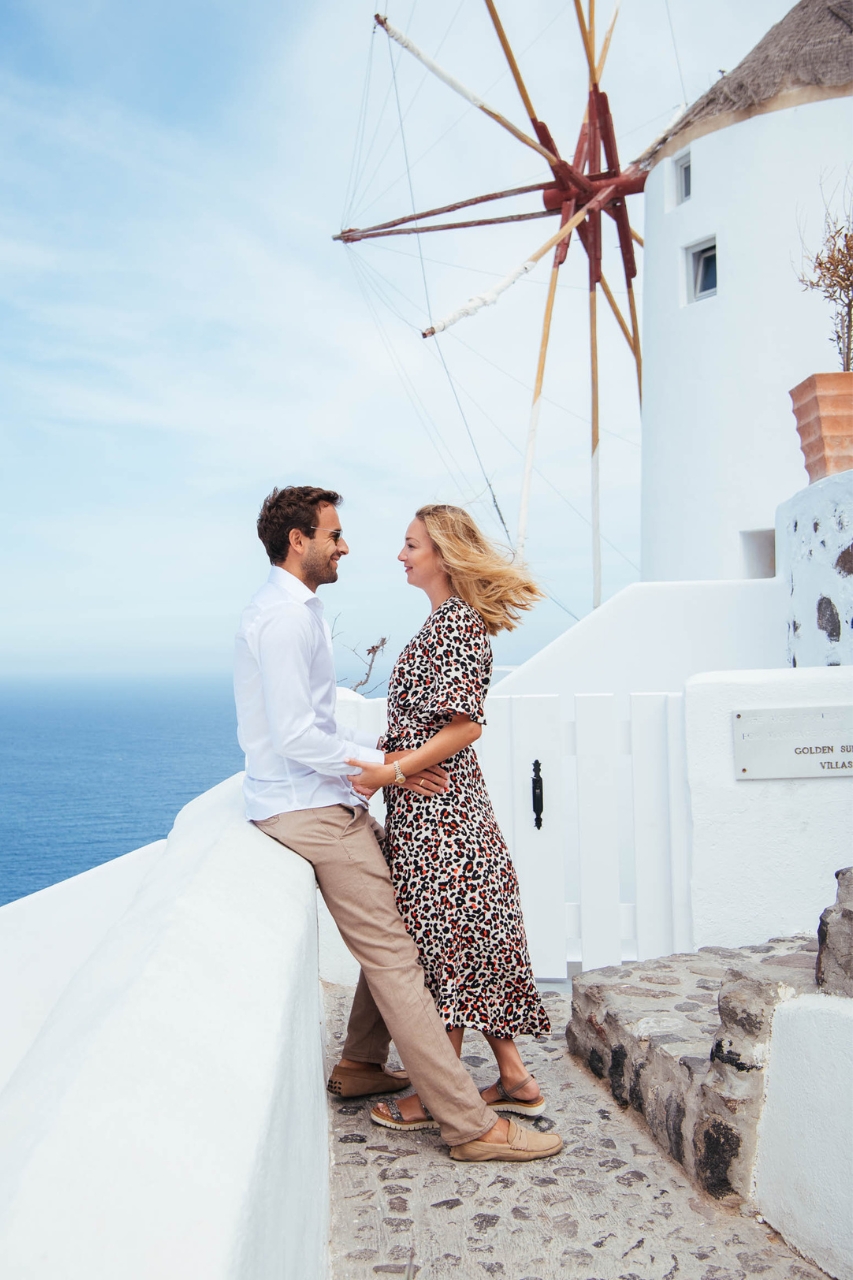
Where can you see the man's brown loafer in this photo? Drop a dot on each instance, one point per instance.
(360, 1082)
(521, 1144)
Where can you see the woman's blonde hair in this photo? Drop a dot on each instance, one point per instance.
(480, 572)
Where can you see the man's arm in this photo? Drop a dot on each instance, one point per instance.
(285, 643)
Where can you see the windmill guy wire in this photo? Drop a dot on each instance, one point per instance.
(366, 189)
(362, 264)
(608, 431)
(421, 412)
(352, 180)
(546, 479)
(675, 51)
(464, 114)
(429, 309)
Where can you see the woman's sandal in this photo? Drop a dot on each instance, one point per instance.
(398, 1121)
(507, 1101)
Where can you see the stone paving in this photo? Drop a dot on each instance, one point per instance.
(610, 1206)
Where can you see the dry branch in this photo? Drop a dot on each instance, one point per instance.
(831, 273)
(371, 655)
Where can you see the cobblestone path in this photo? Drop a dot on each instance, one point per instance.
(610, 1206)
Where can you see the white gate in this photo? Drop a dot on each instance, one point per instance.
(613, 845)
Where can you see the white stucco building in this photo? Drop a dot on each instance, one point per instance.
(733, 193)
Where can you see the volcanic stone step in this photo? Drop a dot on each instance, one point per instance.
(683, 1040)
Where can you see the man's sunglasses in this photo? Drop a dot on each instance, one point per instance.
(334, 534)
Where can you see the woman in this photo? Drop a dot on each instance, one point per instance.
(455, 884)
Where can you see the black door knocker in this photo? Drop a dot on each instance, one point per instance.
(536, 787)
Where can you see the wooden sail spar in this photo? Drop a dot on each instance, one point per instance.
(490, 296)
(578, 193)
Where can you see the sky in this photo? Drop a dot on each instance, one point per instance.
(180, 332)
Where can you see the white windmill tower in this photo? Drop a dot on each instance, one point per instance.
(733, 189)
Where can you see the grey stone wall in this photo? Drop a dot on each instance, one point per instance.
(834, 969)
(814, 555)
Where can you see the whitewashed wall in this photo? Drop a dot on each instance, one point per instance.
(653, 636)
(804, 1161)
(169, 1117)
(764, 851)
(720, 448)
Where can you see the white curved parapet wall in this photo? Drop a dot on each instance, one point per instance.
(159, 1122)
(804, 1164)
(47, 936)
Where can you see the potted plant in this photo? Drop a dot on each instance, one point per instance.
(823, 403)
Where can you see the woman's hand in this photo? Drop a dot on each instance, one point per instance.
(372, 776)
(430, 781)
(427, 780)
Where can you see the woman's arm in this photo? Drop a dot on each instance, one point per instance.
(460, 733)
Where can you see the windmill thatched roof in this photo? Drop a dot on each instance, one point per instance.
(810, 49)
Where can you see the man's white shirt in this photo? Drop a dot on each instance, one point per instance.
(285, 690)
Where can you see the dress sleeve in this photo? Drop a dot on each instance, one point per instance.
(460, 659)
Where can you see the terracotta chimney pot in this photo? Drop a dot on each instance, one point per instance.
(823, 407)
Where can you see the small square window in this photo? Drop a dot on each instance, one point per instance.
(682, 178)
(702, 269)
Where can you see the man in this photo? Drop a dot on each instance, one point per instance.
(298, 790)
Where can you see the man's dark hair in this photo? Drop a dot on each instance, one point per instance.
(294, 507)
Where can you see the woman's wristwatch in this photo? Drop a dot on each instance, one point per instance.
(399, 776)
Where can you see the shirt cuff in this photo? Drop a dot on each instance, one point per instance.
(370, 755)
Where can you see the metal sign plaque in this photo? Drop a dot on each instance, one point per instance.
(793, 742)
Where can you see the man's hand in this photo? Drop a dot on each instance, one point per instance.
(366, 792)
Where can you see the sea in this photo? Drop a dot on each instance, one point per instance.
(91, 769)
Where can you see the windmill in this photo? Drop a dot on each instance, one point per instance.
(578, 192)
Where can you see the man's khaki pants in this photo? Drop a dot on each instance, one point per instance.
(341, 844)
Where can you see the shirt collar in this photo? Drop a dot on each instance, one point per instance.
(293, 587)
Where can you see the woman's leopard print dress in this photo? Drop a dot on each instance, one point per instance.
(454, 880)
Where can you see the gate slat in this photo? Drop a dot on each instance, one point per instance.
(650, 782)
(679, 824)
(595, 715)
